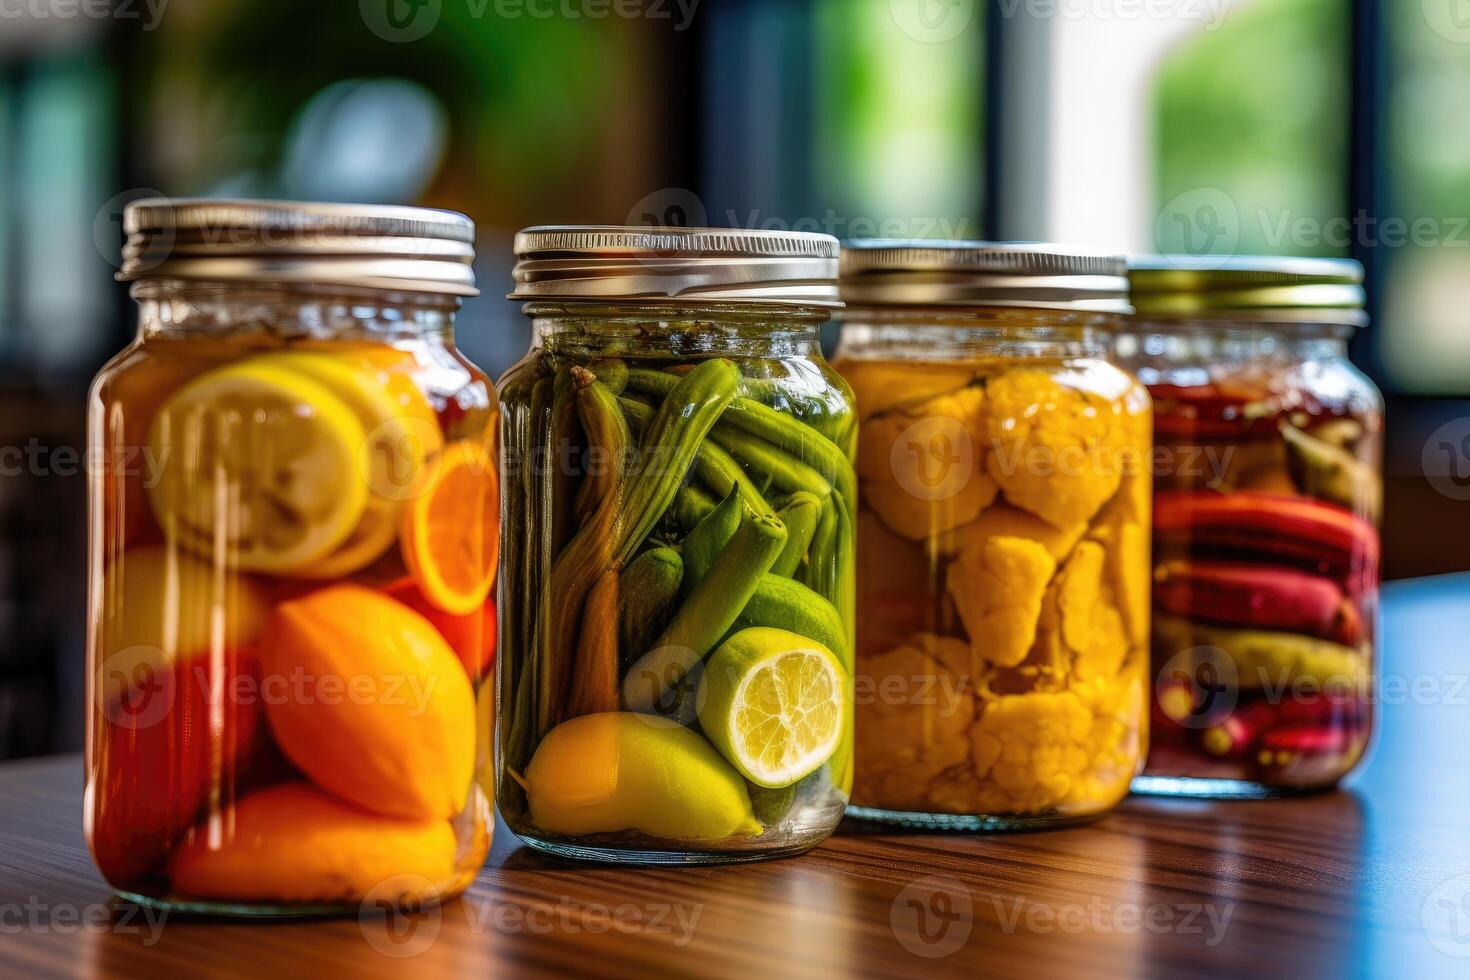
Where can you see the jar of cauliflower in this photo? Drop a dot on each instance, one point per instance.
(1003, 534)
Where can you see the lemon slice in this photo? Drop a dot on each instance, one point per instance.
(402, 436)
(402, 430)
(260, 463)
(773, 703)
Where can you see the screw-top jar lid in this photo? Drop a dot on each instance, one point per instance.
(683, 265)
(419, 250)
(1248, 287)
(883, 272)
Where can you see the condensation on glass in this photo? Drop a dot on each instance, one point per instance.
(293, 545)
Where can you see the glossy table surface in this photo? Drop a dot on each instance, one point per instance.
(1370, 880)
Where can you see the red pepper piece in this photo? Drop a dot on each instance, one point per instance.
(1292, 530)
(1209, 411)
(1257, 721)
(1263, 597)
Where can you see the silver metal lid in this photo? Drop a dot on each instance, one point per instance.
(881, 272)
(609, 263)
(1256, 288)
(420, 250)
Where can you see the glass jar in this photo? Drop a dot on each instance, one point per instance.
(1267, 495)
(676, 668)
(1003, 547)
(294, 530)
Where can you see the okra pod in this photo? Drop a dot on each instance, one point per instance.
(595, 675)
(785, 471)
(664, 678)
(800, 514)
(669, 445)
(704, 544)
(609, 441)
(715, 468)
(647, 591)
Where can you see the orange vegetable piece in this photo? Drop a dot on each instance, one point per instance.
(451, 531)
(383, 714)
(293, 843)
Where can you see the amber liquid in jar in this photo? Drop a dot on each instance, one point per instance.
(1002, 571)
(293, 541)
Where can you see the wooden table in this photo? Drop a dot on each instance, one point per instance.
(1372, 880)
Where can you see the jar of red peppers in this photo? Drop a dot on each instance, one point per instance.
(1267, 495)
(1003, 526)
(676, 678)
(294, 532)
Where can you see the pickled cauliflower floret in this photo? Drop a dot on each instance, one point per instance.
(914, 710)
(923, 467)
(1116, 705)
(1122, 530)
(997, 587)
(1003, 519)
(1056, 451)
(1031, 750)
(1085, 616)
(883, 386)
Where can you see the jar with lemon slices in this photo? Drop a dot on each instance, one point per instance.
(294, 541)
(1003, 534)
(675, 678)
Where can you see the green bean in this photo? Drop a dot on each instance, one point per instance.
(661, 679)
(647, 591)
(691, 505)
(704, 544)
(716, 468)
(820, 572)
(785, 471)
(800, 514)
(781, 430)
(612, 372)
(670, 442)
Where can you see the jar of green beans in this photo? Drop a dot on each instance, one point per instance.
(675, 676)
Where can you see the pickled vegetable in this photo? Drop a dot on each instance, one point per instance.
(686, 652)
(1002, 587)
(294, 622)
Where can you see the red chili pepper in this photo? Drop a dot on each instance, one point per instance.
(1264, 597)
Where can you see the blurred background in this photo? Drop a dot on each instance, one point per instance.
(1311, 127)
